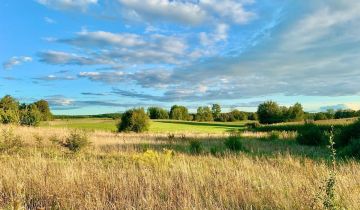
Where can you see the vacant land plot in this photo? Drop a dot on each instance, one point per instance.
(158, 171)
(157, 126)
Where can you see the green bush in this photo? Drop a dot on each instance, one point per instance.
(311, 134)
(195, 147)
(347, 134)
(135, 120)
(352, 149)
(233, 143)
(9, 117)
(76, 141)
(30, 116)
(252, 125)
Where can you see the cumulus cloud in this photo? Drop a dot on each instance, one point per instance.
(68, 4)
(14, 61)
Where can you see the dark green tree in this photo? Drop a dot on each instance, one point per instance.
(135, 120)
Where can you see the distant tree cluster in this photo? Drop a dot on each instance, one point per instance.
(332, 114)
(203, 113)
(270, 112)
(12, 112)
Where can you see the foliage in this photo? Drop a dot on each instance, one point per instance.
(310, 134)
(270, 112)
(12, 112)
(195, 147)
(157, 113)
(9, 116)
(43, 107)
(204, 114)
(216, 111)
(76, 141)
(252, 125)
(233, 143)
(135, 120)
(347, 134)
(179, 113)
(30, 115)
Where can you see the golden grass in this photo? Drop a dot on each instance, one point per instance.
(111, 176)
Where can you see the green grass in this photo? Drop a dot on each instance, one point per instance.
(156, 126)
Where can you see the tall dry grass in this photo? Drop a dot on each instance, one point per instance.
(44, 175)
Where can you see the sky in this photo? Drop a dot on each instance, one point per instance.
(102, 56)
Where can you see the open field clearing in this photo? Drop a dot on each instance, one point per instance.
(157, 171)
(156, 126)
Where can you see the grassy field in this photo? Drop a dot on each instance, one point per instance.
(156, 126)
(153, 171)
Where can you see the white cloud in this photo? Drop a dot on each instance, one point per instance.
(101, 38)
(228, 10)
(189, 12)
(63, 58)
(14, 61)
(68, 4)
(49, 20)
(327, 18)
(165, 10)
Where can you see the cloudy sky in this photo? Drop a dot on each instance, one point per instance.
(98, 56)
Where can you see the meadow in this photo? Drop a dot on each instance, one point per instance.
(155, 170)
(156, 126)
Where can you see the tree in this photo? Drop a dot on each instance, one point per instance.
(9, 107)
(135, 120)
(179, 113)
(216, 111)
(9, 103)
(30, 115)
(157, 113)
(295, 112)
(238, 115)
(204, 114)
(269, 112)
(43, 107)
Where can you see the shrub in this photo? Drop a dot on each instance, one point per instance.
(252, 125)
(135, 120)
(30, 116)
(233, 143)
(347, 134)
(76, 141)
(311, 134)
(9, 141)
(9, 117)
(352, 149)
(195, 147)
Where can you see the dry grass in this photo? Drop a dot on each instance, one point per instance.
(114, 174)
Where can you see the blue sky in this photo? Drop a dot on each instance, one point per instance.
(99, 56)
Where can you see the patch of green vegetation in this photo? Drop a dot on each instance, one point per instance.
(156, 126)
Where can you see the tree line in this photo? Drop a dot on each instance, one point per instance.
(14, 112)
(268, 112)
